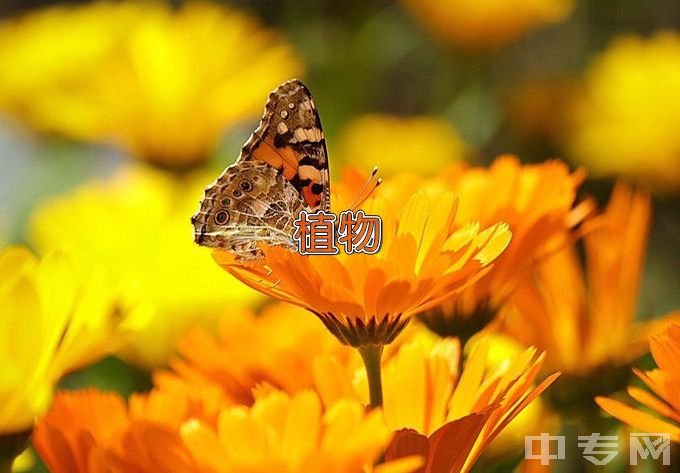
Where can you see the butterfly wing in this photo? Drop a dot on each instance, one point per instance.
(250, 203)
(281, 170)
(290, 139)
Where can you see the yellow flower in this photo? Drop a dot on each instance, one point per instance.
(390, 141)
(489, 24)
(54, 320)
(533, 419)
(536, 201)
(162, 83)
(367, 300)
(276, 348)
(627, 122)
(44, 51)
(584, 317)
(664, 383)
(432, 406)
(301, 437)
(135, 225)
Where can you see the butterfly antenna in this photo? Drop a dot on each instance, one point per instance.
(362, 196)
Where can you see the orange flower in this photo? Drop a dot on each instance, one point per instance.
(98, 419)
(368, 299)
(485, 25)
(664, 383)
(447, 418)
(300, 437)
(584, 317)
(92, 431)
(252, 351)
(89, 431)
(537, 203)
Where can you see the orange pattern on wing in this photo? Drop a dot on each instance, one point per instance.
(282, 169)
(290, 139)
(284, 158)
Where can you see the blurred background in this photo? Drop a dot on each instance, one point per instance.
(115, 115)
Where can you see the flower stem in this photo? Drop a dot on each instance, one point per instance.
(372, 354)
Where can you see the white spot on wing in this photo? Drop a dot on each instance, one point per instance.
(307, 134)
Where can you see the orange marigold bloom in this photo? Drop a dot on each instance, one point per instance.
(537, 203)
(301, 437)
(250, 351)
(439, 413)
(584, 317)
(92, 431)
(486, 25)
(100, 418)
(368, 299)
(89, 431)
(141, 437)
(664, 383)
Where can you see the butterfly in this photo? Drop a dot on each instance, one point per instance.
(282, 169)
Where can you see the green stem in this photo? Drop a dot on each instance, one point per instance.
(372, 354)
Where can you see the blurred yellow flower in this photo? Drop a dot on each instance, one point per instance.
(448, 417)
(135, 225)
(627, 121)
(426, 143)
(54, 320)
(487, 24)
(584, 317)
(537, 201)
(664, 383)
(44, 52)
(161, 82)
(276, 348)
